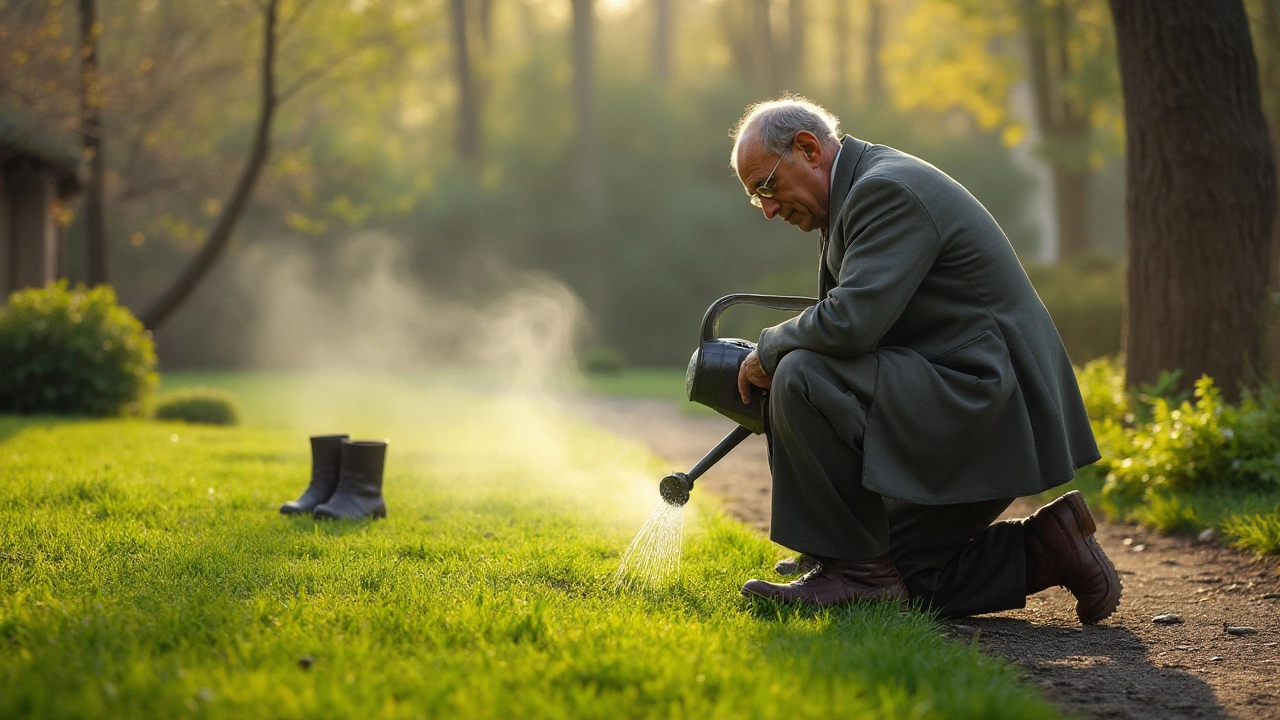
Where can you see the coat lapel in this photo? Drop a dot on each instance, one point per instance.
(829, 253)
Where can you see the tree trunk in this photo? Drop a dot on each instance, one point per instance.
(467, 143)
(874, 70)
(1201, 193)
(1064, 126)
(486, 24)
(91, 126)
(766, 71)
(1071, 199)
(225, 225)
(840, 29)
(1269, 80)
(586, 152)
(662, 40)
(797, 19)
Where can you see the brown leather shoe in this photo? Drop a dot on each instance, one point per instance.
(1061, 550)
(837, 581)
(798, 565)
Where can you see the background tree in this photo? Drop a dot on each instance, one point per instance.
(368, 150)
(586, 146)
(970, 54)
(91, 128)
(1265, 22)
(222, 230)
(1202, 191)
(873, 66)
(468, 131)
(663, 22)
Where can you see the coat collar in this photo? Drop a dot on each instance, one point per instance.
(842, 175)
(851, 151)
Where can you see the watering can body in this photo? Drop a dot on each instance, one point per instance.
(712, 376)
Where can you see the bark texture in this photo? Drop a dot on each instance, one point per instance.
(1201, 192)
(95, 207)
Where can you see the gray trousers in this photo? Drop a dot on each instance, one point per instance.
(952, 557)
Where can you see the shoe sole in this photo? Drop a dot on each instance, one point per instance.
(1087, 526)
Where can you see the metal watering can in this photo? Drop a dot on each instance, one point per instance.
(712, 380)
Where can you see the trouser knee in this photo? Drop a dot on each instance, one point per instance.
(791, 380)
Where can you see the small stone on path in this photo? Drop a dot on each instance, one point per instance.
(1239, 630)
(1207, 535)
(1167, 619)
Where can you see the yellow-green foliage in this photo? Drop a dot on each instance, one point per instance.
(208, 406)
(1200, 445)
(73, 352)
(1181, 464)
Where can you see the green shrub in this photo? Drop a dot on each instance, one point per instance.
(1085, 297)
(73, 352)
(1201, 445)
(1256, 532)
(602, 360)
(208, 406)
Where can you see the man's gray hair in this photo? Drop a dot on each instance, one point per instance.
(778, 122)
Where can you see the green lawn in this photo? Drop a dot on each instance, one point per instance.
(145, 572)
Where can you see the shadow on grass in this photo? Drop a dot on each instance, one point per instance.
(310, 525)
(11, 425)
(1096, 670)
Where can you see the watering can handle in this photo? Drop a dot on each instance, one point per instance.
(711, 321)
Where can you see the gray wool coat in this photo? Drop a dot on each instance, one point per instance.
(974, 395)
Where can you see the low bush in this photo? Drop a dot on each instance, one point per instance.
(1182, 464)
(1085, 297)
(73, 352)
(602, 360)
(206, 406)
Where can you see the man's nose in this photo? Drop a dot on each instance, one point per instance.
(770, 207)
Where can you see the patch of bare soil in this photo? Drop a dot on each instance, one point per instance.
(1202, 663)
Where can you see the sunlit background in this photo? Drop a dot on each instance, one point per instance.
(432, 155)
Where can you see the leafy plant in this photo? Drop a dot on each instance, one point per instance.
(207, 406)
(73, 352)
(602, 360)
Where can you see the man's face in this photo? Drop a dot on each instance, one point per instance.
(801, 182)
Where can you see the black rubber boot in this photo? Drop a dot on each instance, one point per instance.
(326, 459)
(359, 493)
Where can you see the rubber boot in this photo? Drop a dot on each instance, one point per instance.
(359, 493)
(326, 458)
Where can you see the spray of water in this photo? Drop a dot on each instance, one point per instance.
(653, 558)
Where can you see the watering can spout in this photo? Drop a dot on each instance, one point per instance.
(675, 487)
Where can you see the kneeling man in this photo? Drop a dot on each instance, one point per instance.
(925, 390)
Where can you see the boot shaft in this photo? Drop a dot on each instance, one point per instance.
(326, 454)
(362, 466)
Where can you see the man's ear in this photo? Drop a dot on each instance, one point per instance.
(809, 145)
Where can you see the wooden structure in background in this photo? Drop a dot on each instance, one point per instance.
(36, 174)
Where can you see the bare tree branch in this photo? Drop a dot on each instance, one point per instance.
(224, 227)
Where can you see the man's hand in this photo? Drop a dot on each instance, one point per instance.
(751, 373)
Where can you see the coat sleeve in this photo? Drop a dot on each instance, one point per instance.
(890, 244)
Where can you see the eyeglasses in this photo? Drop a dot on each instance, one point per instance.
(763, 190)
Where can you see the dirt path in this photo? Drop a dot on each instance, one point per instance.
(1128, 667)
